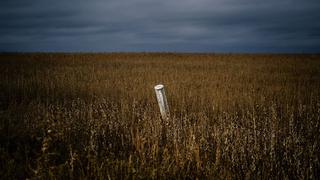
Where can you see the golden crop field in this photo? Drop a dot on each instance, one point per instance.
(95, 116)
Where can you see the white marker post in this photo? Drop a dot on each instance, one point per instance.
(162, 101)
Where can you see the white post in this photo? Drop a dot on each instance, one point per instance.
(162, 101)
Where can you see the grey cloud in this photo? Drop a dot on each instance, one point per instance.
(176, 25)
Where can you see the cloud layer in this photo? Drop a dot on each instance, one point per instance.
(167, 25)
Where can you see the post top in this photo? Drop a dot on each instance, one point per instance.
(159, 86)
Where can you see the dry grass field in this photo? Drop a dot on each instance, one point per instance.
(95, 116)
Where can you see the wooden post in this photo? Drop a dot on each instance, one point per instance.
(162, 101)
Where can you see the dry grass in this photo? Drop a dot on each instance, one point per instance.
(95, 116)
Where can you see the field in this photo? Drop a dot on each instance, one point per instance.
(95, 116)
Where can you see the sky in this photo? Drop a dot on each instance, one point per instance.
(250, 26)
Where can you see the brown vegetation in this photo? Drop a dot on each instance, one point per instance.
(95, 116)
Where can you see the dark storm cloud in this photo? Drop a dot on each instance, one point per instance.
(176, 25)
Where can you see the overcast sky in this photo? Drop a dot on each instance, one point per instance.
(161, 25)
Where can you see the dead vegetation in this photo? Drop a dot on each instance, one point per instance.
(95, 116)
